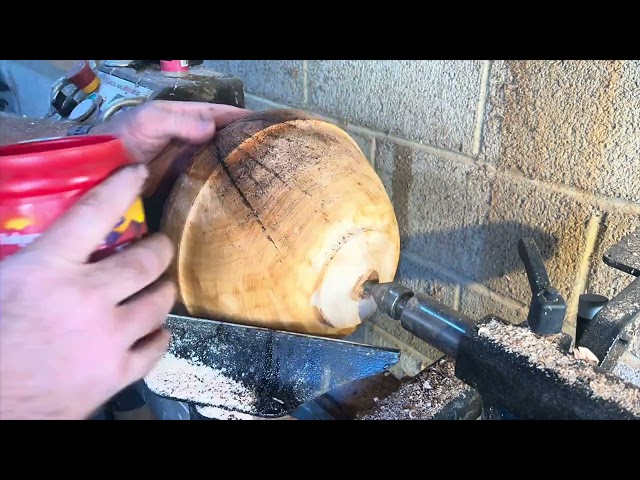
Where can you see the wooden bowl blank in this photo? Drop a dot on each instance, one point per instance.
(277, 223)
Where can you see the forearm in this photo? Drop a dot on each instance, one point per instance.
(15, 128)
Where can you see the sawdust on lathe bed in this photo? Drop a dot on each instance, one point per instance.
(192, 380)
(421, 397)
(546, 356)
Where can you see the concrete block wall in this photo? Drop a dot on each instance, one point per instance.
(474, 155)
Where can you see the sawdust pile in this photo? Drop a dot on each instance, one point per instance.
(190, 379)
(222, 414)
(421, 397)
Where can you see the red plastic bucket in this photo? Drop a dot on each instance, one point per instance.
(41, 180)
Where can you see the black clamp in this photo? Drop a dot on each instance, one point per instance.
(548, 307)
(64, 101)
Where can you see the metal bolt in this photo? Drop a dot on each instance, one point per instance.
(551, 295)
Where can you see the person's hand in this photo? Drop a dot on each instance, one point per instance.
(148, 129)
(72, 333)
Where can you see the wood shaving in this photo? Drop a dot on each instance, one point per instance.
(222, 414)
(583, 353)
(191, 380)
(420, 398)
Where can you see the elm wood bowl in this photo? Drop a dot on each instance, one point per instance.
(277, 223)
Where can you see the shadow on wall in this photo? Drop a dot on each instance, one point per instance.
(479, 253)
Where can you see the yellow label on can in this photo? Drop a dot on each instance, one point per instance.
(132, 225)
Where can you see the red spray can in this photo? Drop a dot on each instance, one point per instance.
(41, 180)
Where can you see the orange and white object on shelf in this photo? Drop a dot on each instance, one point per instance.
(83, 77)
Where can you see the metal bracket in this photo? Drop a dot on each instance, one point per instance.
(119, 105)
(604, 333)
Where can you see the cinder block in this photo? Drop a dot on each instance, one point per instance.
(620, 174)
(556, 221)
(603, 279)
(386, 169)
(441, 205)
(575, 123)
(257, 104)
(478, 305)
(279, 80)
(433, 102)
(421, 278)
(363, 141)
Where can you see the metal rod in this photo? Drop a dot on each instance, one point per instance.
(435, 323)
(430, 320)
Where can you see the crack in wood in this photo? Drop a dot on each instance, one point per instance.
(249, 173)
(244, 198)
(272, 172)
